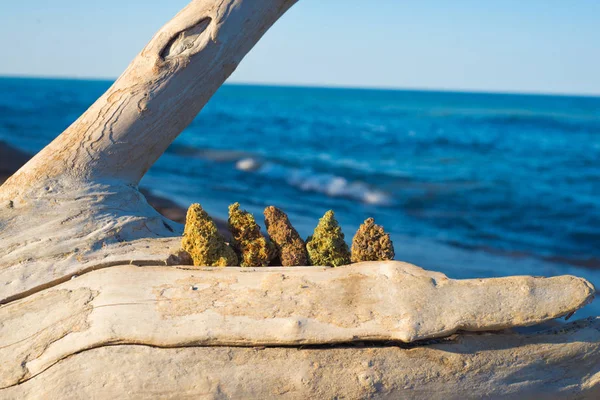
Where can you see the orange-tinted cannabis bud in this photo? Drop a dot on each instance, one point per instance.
(291, 249)
(326, 247)
(253, 249)
(203, 242)
(371, 243)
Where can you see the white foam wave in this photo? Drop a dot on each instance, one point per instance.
(332, 185)
(247, 164)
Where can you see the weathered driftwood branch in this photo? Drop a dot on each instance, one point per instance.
(74, 211)
(559, 363)
(125, 131)
(78, 197)
(268, 307)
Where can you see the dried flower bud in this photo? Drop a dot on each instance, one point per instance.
(371, 243)
(326, 247)
(203, 242)
(291, 249)
(253, 249)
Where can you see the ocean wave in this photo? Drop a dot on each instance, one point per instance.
(248, 164)
(308, 180)
(583, 262)
(207, 154)
(559, 124)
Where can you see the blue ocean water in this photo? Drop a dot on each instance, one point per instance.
(471, 184)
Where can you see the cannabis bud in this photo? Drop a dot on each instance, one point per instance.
(371, 243)
(252, 247)
(203, 242)
(326, 246)
(291, 249)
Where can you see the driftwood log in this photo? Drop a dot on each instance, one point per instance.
(94, 304)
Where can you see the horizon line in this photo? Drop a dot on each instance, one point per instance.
(334, 86)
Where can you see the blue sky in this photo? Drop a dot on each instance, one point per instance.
(496, 45)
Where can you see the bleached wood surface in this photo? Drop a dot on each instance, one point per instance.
(79, 195)
(559, 363)
(167, 307)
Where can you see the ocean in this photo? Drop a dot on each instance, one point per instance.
(469, 184)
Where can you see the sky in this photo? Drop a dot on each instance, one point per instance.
(532, 46)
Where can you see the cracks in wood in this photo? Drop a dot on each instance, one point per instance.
(456, 339)
(345, 345)
(96, 267)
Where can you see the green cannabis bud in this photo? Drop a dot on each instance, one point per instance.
(203, 242)
(290, 248)
(326, 247)
(371, 243)
(252, 247)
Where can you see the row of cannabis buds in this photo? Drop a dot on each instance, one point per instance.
(249, 248)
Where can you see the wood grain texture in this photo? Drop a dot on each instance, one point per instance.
(79, 196)
(558, 363)
(287, 306)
